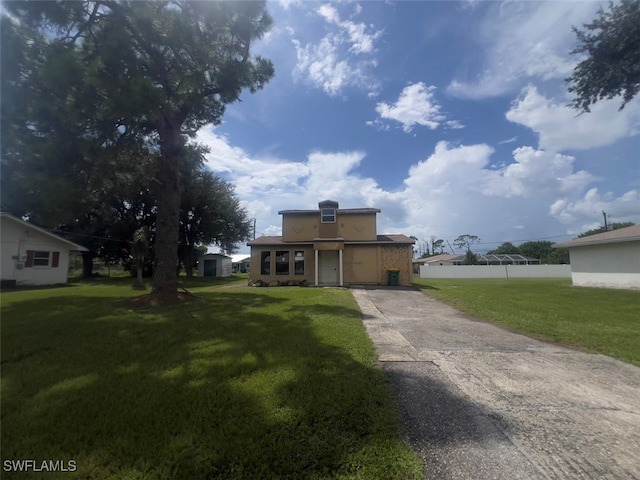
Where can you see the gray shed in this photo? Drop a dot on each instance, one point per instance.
(214, 265)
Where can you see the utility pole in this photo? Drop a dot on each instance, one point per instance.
(606, 225)
(254, 228)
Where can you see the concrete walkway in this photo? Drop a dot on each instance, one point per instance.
(480, 402)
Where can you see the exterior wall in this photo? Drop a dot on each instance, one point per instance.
(614, 265)
(360, 264)
(497, 271)
(300, 228)
(256, 274)
(16, 239)
(396, 256)
(306, 227)
(223, 265)
(357, 227)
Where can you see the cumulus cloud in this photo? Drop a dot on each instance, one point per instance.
(416, 105)
(522, 41)
(456, 189)
(342, 58)
(536, 173)
(560, 127)
(574, 212)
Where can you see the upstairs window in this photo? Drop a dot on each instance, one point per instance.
(328, 215)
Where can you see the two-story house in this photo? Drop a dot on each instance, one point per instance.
(330, 246)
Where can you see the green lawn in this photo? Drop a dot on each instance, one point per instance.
(245, 383)
(599, 320)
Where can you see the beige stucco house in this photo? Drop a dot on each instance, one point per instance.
(330, 246)
(609, 259)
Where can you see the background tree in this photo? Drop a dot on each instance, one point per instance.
(614, 226)
(544, 251)
(465, 241)
(505, 249)
(437, 245)
(156, 70)
(612, 66)
(210, 215)
(470, 258)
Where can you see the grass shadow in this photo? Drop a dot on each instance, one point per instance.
(243, 384)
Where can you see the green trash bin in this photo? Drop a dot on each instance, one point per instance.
(394, 277)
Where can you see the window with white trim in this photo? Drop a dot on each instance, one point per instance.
(41, 259)
(328, 215)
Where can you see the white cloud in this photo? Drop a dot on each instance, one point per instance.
(455, 190)
(536, 173)
(559, 127)
(416, 105)
(571, 212)
(342, 58)
(522, 41)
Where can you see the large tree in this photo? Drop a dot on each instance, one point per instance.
(465, 241)
(612, 64)
(159, 71)
(210, 214)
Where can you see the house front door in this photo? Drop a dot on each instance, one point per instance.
(328, 267)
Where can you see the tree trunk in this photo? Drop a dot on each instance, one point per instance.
(188, 262)
(140, 280)
(165, 275)
(87, 264)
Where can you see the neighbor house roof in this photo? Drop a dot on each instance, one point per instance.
(74, 246)
(439, 258)
(389, 238)
(627, 234)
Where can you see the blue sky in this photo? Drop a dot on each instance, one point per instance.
(450, 117)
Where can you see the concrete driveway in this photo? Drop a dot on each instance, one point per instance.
(480, 402)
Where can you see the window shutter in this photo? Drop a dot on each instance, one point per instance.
(29, 262)
(55, 260)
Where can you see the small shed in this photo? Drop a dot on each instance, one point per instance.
(31, 255)
(609, 259)
(214, 265)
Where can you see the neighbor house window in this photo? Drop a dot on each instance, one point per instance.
(265, 263)
(298, 262)
(40, 259)
(282, 263)
(328, 215)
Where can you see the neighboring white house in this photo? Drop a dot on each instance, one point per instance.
(214, 265)
(609, 259)
(241, 263)
(31, 255)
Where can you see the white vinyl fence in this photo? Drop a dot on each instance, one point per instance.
(496, 271)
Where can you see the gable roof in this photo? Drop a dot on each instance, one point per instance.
(627, 234)
(74, 246)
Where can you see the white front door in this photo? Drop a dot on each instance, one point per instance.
(328, 267)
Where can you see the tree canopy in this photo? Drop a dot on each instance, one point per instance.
(611, 68)
(125, 74)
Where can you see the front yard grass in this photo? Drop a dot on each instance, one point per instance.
(598, 320)
(244, 383)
